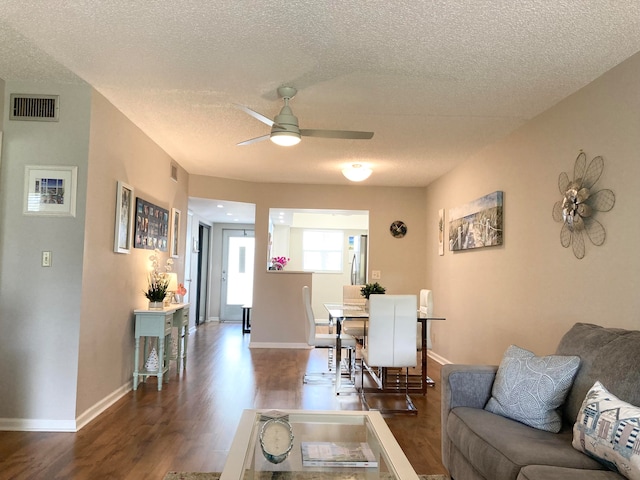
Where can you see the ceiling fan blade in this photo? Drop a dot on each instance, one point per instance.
(345, 134)
(254, 140)
(256, 115)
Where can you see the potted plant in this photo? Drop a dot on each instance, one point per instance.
(372, 289)
(157, 290)
(158, 282)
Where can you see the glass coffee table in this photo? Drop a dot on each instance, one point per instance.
(337, 444)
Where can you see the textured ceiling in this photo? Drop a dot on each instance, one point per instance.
(435, 80)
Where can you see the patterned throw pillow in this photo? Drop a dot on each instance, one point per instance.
(608, 429)
(530, 389)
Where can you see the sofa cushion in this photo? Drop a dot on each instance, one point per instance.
(607, 354)
(498, 447)
(530, 389)
(544, 472)
(608, 429)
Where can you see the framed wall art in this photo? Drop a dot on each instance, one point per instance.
(175, 232)
(124, 218)
(441, 231)
(50, 190)
(152, 226)
(476, 224)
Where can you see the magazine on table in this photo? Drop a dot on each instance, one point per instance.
(337, 454)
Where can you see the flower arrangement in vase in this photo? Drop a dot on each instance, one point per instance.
(181, 291)
(158, 281)
(278, 263)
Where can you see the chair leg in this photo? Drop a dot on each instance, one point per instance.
(381, 393)
(322, 378)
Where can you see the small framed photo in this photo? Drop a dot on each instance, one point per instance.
(124, 219)
(175, 232)
(50, 190)
(441, 231)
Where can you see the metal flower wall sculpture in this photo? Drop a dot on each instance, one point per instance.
(579, 203)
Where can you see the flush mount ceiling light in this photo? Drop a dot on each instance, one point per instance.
(357, 172)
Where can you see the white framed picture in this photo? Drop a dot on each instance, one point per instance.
(175, 232)
(124, 219)
(50, 190)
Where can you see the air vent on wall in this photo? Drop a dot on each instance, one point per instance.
(43, 108)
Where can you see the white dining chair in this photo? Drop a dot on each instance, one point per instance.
(390, 342)
(324, 340)
(352, 295)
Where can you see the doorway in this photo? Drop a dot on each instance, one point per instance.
(202, 295)
(236, 286)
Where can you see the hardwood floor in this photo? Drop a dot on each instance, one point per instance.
(190, 424)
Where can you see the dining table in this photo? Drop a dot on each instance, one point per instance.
(341, 312)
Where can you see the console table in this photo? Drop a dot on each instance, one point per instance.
(159, 324)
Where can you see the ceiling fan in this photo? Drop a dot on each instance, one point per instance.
(284, 127)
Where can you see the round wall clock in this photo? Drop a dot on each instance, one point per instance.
(398, 229)
(276, 440)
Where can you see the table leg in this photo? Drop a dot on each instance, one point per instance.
(424, 357)
(179, 344)
(168, 350)
(246, 320)
(184, 347)
(136, 364)
(161, 354)
(338, 354)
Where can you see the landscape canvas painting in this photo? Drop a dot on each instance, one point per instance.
(476, 224)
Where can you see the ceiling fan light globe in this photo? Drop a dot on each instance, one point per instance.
(285, 139)
(357, 172)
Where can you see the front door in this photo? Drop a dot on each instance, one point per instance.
(238, 249)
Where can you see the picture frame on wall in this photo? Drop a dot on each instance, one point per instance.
(441, 232)
(124, 218)
(50, 190)
(477, 224)
(152, 226)
(175, 232)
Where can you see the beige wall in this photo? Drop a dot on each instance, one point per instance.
(531, 290)
(399, 260)
(113, 283)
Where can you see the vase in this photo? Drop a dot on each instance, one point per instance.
(156, 305)
(153, 362)
(366, 305)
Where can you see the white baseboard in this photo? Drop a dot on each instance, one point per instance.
(102, 405)
(213, 319)
(45, 425)
(304, 346)
(37, 425)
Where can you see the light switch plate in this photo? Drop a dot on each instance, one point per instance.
(375, 274)
(46, 259)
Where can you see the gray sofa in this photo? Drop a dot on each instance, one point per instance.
(477, 444)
